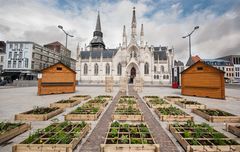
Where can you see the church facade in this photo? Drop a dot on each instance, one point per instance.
(133, 58)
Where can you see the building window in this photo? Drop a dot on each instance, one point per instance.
(2, 58)
(14, 64)
(107, 69)
(199, 68)
(9, 64)
(15, 55)
(58, 68)
(19, 64)
(157, 76)
(119, 69)
(146, 68)
(155, 68)
(96, 69)
(10, 55)
(20, 55)
(21, 46)
(162, 69)
(11, 46)
(26, 63)
(85, 69)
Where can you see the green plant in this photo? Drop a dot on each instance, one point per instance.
(115, 124)
(124, 139)
(136, 141)
(114, 132)
(186, 134)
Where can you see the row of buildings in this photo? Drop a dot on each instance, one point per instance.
(24, 60)
(133, 58)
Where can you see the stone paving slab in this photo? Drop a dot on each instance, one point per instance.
(159, 135)
(97, 137)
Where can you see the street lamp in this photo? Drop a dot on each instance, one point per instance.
(189, 36)
(67, 34)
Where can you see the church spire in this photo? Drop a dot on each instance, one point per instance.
(142, 37)
(98, 24)
(124, 43)
(97, 41)
(134, 25)
(78, 51)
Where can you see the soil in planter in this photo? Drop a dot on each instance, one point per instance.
(6, 126)
(215, 112)
(86, 109)
(157, 101)
(41, 110)
(190, 102)
(171, 111)
(66, 101)
(111, 141)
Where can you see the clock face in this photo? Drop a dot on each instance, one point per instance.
(95, 37)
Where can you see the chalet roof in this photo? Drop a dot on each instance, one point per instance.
(161, 55)
(200, 61)
(57, 64)
(192, 60)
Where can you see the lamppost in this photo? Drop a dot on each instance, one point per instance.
(189, 38)
(67, 34)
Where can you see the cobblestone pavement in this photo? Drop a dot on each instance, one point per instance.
(98, 134)
(160, 136)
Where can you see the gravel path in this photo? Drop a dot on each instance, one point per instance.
(98, 134)
(161, 138)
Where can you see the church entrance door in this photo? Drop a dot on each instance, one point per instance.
(132, 75)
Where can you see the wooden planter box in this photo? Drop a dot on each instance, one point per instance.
(82, 117)
(157, 105)
(101, 105)
(127, 117)
(125, 105)
(65, 105)
(52, 147)
(80, 97)
(37, 117)
(147, 146)
(234, 130)
(180, 118)
(147, 98)
(130, 148)
(14, 132)
(230, 119)
(190, 106)
(173, 99)
(201, 147)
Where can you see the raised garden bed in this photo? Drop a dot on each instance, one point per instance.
(158, 103)
(98, 102)
(216, 115)
(173, 99)
(234, 129)
(65, 103)
(172, 114)
(147, 98)
(86, 112)
(126, 102)
(106, 97)
(129, 137)
(9, 130)
(127, 114)
(59, 137)
(190, 104)
(39, 114)
(202, 137)
(80, 97)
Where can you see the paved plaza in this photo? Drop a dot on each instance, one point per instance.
(17, 100)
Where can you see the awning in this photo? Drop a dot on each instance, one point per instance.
(10, 74)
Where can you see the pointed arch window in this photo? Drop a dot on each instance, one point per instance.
(85, 69)
(119, 69)
(96, 69)
(107, 69)
(155, 68)
(146, 68)
(162, 69)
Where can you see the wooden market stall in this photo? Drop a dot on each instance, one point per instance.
(57, 78)
(203, 80)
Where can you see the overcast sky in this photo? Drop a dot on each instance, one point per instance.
(165, 22)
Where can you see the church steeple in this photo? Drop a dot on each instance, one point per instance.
(142, 37)
(134, 25)
(124, 42)
(97, 41)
